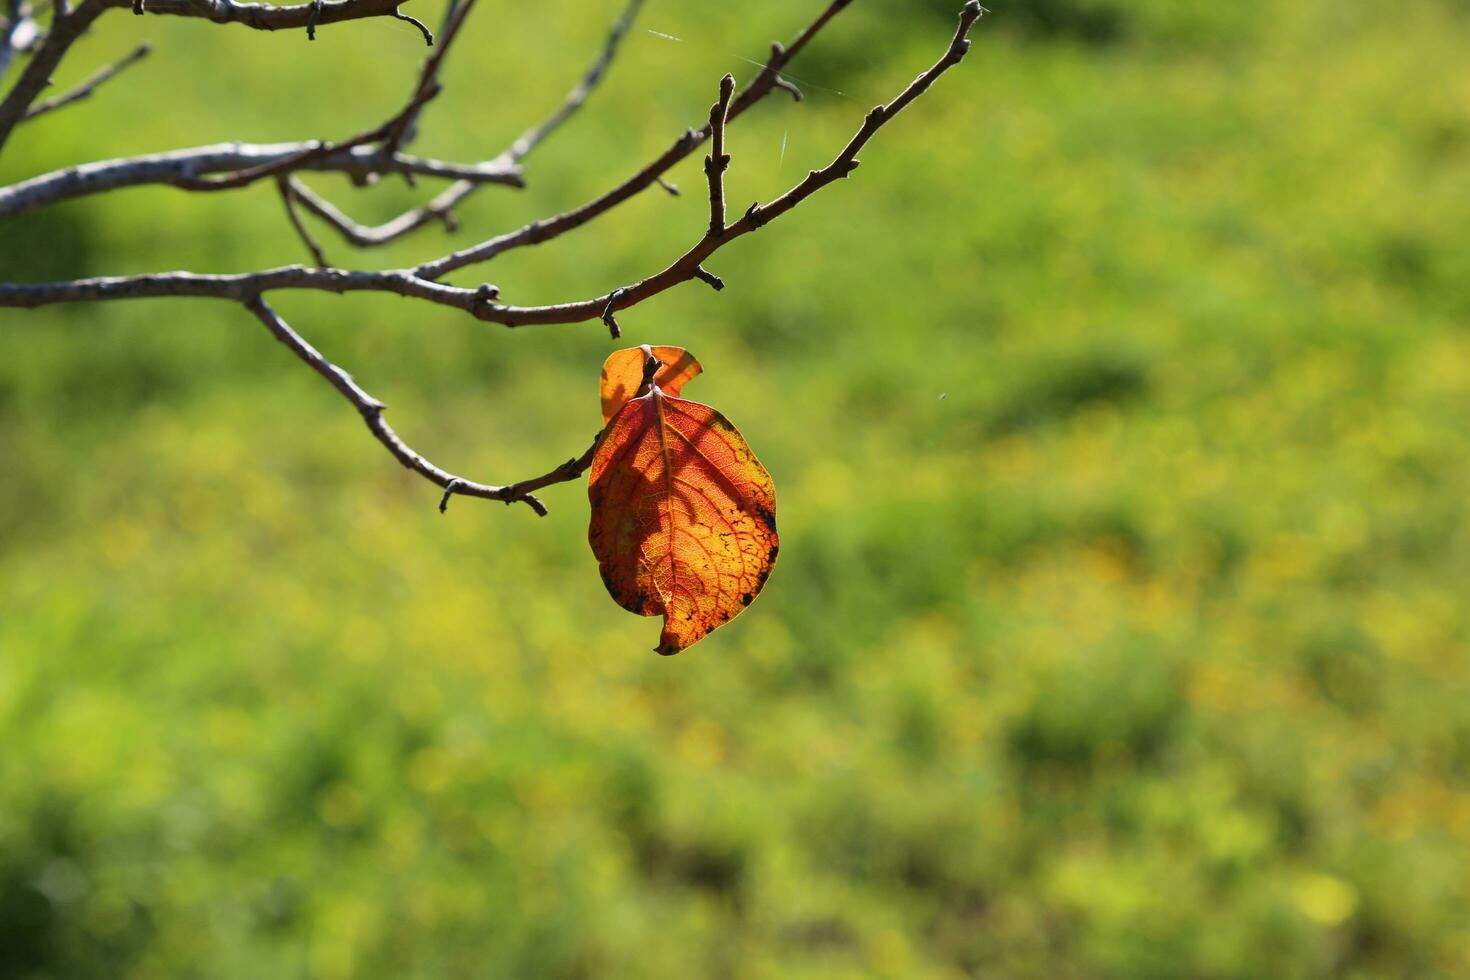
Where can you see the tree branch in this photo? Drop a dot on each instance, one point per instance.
(718, 160)
(687, 266)
(86, 88)
(393, 132)
(288, 198)
(185, 169)
(387, 134)
(440, 208)
(574, 100)
(267, 17)
(238, 287)
(190, 169)
(420, 284)
(541, 231)
(65, 29)
(372, 414)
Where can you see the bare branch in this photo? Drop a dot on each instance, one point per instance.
(709, 278)
(541, 231)
(757, 216)
(241, 287)
(428, 35)
(267, 17)
(317, 150)
(440, 208)
(718, 160)
(86, 88)
(67, 25)
(183, 168)
(288, 197)
(607, 314)
(393, 132)
(65, 29)
(372, 413)
(189, 169)
(480, 303)
(533, 137)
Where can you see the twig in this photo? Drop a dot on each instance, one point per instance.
(607, 314)
(718, 160)
(86, 88)
(317, 150)
(708, 277)
(757, 216)
(37, 74)
(541, 231)
(372, 413)
(183, 168)
(239, 287)
(68, 25)
(439, 208)
(442, 205)
(416, 284)
(393, 132)
(267, 17)
(574, 100)
(428, 35)
(288, 197)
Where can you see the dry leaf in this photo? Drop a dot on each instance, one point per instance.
(683, 514)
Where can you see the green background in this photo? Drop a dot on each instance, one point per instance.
(1119, 408)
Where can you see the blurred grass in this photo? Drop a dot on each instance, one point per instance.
(1118, 408)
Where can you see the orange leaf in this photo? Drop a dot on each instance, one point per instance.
(683, 515)
(622, 374)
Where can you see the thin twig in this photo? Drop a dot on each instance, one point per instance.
(288, 197)
(396, 130)
(441, 207)
(37, 75)
(316, 150)
(718, 160)
(757, 216)
(574, 100)
(428, 34)
(544, 230)
(709, 278)
(268, 17)
(372, 413)
(608, 318)
(86, 88)
(183, 168)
